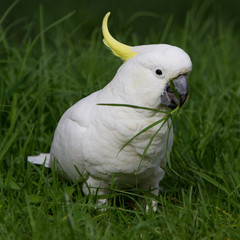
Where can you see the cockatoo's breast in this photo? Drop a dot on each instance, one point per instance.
(110, 136)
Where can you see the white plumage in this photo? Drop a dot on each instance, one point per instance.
(89, 136)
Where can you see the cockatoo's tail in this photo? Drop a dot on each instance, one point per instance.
(121, 50)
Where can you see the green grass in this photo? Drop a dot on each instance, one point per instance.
(44, 73)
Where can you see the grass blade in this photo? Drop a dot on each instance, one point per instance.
(141, 132)
(8, 11)
(150, 142)
(132, 106)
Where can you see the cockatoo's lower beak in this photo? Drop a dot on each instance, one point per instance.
(169, 99)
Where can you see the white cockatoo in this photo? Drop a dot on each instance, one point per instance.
(89, 136)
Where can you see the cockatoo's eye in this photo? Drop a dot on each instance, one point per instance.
(158, 71)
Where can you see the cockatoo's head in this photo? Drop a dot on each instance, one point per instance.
(154, 67)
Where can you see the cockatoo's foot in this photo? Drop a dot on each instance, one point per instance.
(154, 206)
(99, 188)
(102, 203)
(152, 185)
(150, 205)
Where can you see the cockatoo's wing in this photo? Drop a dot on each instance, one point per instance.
(67, 150)
(42, 158)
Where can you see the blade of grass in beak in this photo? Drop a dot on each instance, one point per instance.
(175, 91)
(131, 106)
(150, 142)
(169, 114)
(142, 131)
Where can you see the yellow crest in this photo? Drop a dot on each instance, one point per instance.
(119, 49)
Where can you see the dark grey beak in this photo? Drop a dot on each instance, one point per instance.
(169, 99)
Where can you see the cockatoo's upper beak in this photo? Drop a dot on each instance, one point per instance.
(169, 99)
